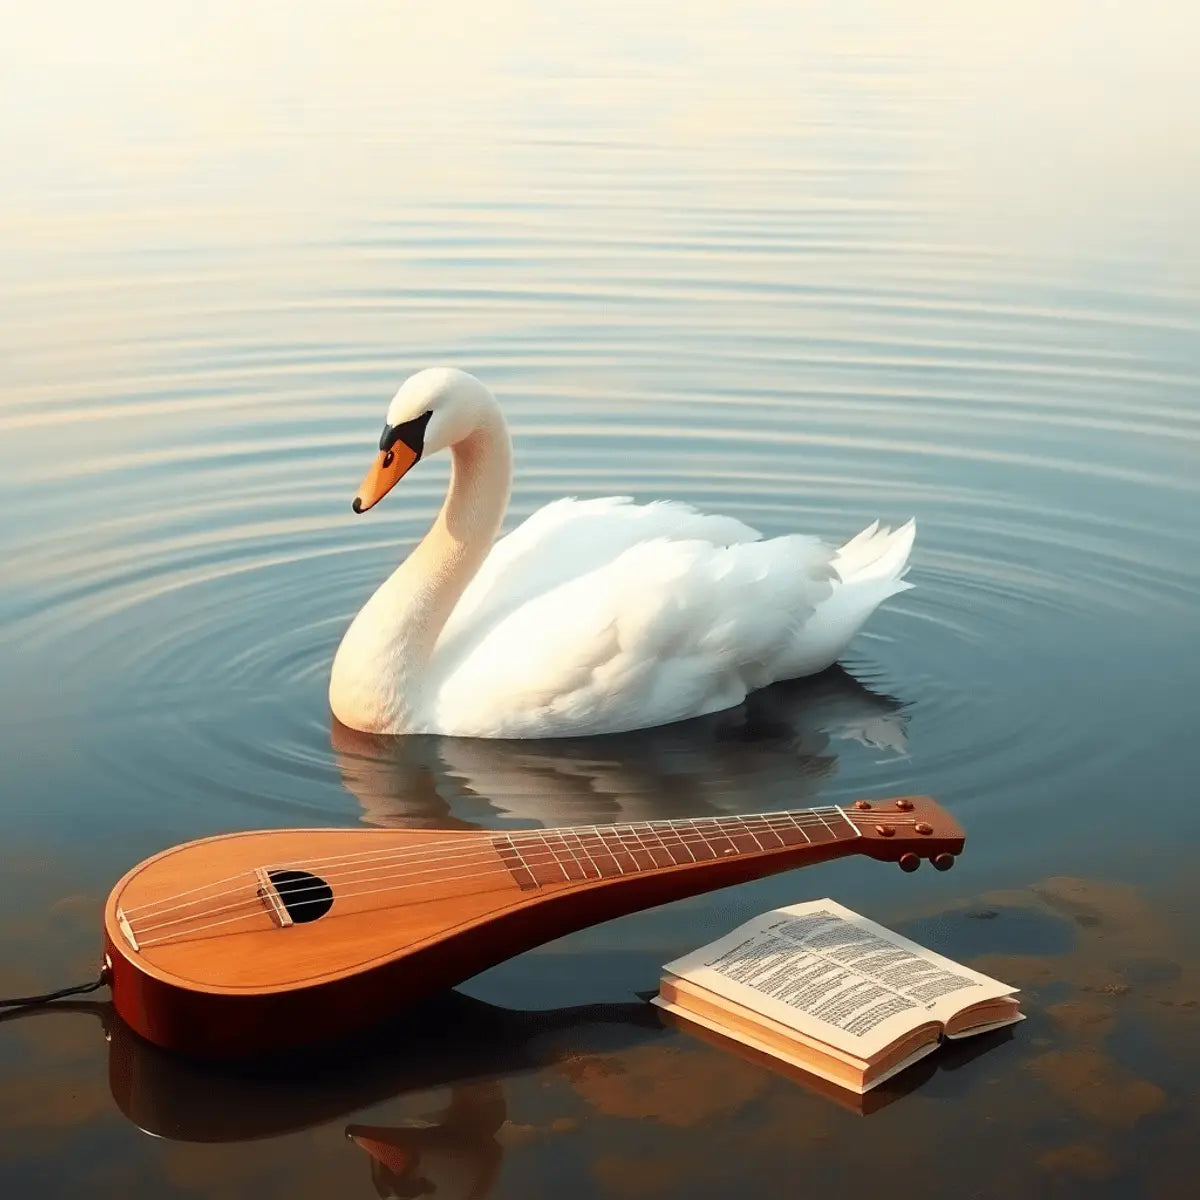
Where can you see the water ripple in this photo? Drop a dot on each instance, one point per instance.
(234, 586)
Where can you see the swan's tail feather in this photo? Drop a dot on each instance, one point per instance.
(869, 568)
(876, 555)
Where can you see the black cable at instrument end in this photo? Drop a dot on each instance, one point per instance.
(47, 997)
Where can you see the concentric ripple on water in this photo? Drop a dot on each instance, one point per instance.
(799, 314)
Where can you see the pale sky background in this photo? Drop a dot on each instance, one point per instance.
(1052, 119)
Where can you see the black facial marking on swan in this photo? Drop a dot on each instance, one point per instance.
(411, 433)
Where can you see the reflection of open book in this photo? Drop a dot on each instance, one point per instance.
(824, 989)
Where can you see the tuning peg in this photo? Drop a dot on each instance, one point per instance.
(943, 862)
(909, 862)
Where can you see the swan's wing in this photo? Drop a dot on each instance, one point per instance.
(665, 630)
(565, 540)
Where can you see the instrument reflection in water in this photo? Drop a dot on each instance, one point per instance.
(451, 1040)
(468, 1049)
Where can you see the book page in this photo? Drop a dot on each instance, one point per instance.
(803, 1062)
(824, 970)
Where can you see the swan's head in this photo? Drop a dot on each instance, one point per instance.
(432, 410)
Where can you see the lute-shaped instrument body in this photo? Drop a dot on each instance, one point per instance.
(252, 943)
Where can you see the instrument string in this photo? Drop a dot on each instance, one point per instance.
(474, 843)
(349, 895)
(538, 856)
(814, 817)
(499, 869)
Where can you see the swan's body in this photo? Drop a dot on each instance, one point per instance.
(593, 616)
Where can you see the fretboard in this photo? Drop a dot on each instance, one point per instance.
(573, 854)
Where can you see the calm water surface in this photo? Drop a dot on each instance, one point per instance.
(805, 264)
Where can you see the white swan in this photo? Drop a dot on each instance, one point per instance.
(593, 616)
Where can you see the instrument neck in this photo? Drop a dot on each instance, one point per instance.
(577, 853)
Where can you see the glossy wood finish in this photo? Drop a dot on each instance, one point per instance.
(200, 963)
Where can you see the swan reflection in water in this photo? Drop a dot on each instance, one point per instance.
(777, 750)
(452, 1153)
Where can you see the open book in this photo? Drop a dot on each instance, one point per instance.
(826, 990)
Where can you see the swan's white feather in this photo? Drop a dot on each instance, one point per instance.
(593, 616)
(599, 616)
(567, 538)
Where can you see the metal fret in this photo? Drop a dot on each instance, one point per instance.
(611, 853)
(569, 849)
(702, 836)
(730, 849)
(821, 817)
(511, 856)
(683, 843)
(645, 849)
(680, 843)
(557, 861)
(746, 829)
(857, 832)
(792, 817)
(774, 830)
(568, 853)
(661, 846)
(583, 847)
(512, 845)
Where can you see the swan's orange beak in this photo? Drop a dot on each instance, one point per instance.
(389, 467)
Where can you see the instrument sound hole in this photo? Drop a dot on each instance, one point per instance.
(306, 897)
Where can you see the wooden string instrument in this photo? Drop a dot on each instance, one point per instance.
(252, 943)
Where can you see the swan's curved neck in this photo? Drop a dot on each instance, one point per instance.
(454, 548)
(394, 634)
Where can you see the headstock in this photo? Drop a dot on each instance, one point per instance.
(906, 829)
